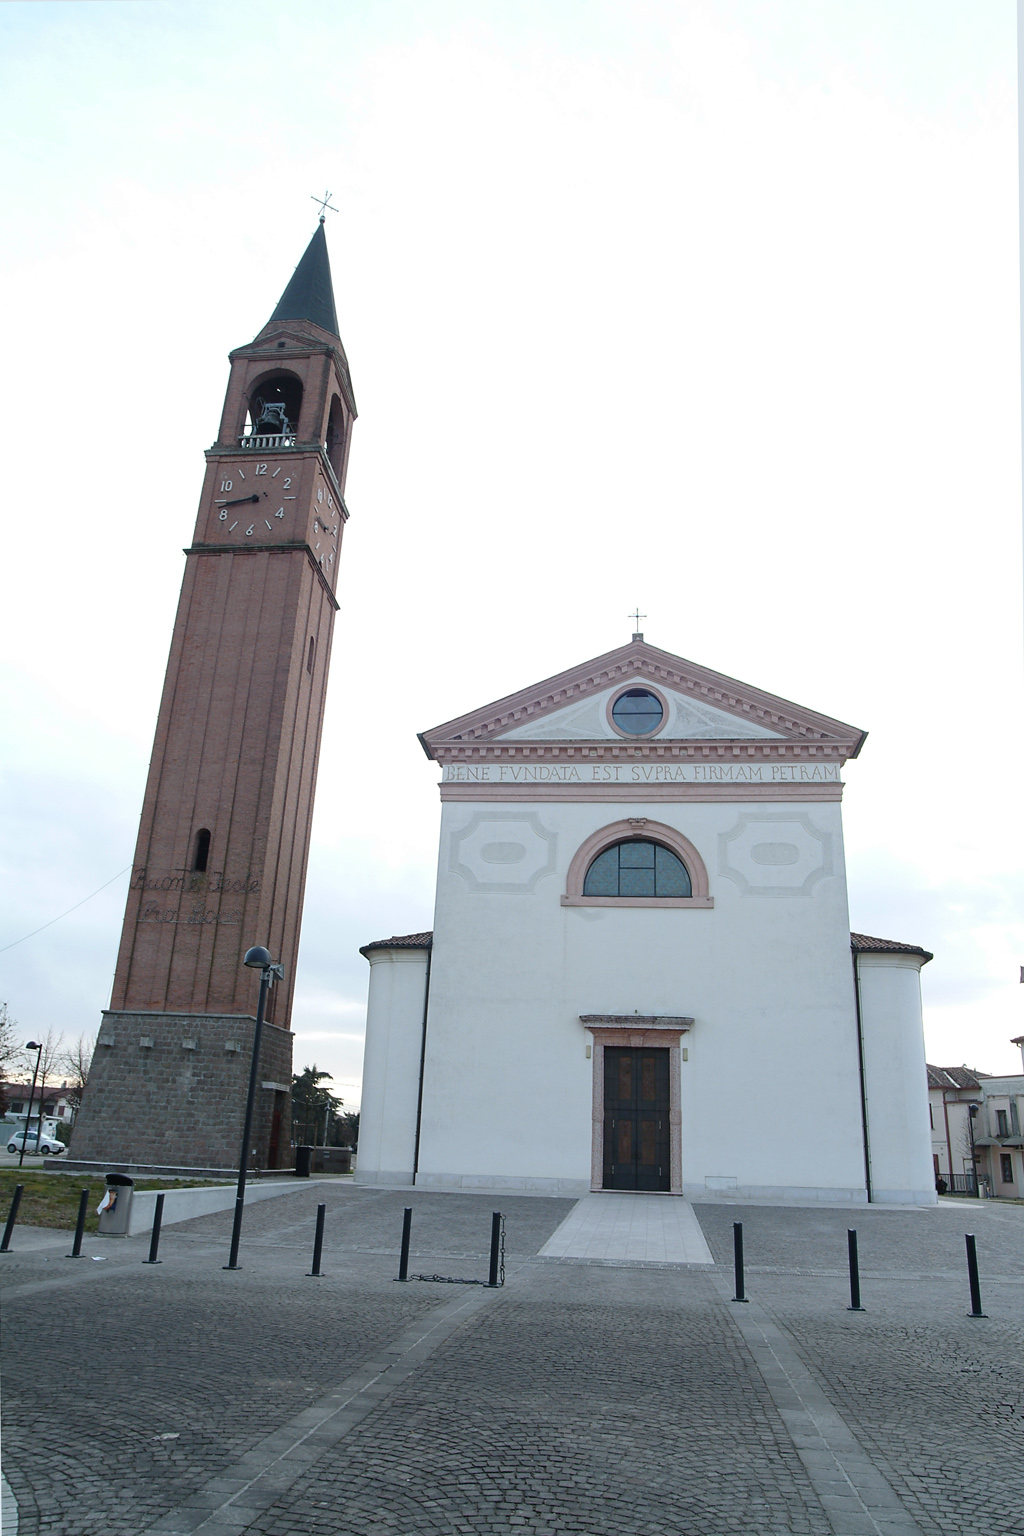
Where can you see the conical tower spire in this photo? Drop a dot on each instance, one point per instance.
(310, 294)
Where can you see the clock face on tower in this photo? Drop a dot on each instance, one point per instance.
(325, 525)
(256, 500)
(276, 501)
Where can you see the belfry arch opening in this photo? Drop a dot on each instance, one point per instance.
(335, 443)
(201, 851)
(273, 414)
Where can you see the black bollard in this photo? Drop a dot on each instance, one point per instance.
(318, 1242)
(972, 1275)
(12, 1216)
(76, 1246)
(492, 1278)
(737, 1258)
(403, 1263)
(154, 1242)
(851, 1241)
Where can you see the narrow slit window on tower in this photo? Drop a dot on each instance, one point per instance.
(310, 655)
(201, 857)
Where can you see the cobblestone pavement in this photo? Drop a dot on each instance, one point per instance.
(581, 1398)
(935, 1397)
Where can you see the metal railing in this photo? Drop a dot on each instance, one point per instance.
(264, 441)
(962, 1183)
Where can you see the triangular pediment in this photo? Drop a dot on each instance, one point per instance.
(700, 706)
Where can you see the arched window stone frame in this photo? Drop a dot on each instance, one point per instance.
(637, 829)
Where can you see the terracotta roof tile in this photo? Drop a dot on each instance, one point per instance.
(861, 942)
(955, 1077)
(401, 941)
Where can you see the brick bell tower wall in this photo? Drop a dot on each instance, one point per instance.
(223, 846)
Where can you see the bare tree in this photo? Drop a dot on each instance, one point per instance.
(76, 1060)
(10, 1048)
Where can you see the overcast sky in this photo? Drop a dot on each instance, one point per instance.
(709, 307)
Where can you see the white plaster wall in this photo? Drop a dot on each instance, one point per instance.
(895, 1079)
(391, 1065)
(770, 1092)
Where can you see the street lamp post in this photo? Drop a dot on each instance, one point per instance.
(32, 1045)
(259, 959)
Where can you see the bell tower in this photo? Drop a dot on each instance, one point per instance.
(223, 843)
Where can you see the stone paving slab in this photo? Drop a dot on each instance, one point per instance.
(626, 1228)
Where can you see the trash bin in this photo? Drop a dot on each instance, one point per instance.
(116, 1205)
(303, 1162)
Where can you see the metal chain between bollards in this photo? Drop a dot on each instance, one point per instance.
(496, 1274)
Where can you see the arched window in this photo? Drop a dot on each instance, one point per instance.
(201, 853)
(637, 862)
(335, 443)
(636, 867)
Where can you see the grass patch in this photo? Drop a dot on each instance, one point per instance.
(53, 1202)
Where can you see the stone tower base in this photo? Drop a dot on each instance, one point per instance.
(169, 1089)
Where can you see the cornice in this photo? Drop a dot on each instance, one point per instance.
(630, 663)
(267, 549)
(630, 750)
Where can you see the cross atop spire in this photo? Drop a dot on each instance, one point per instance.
(325, 203)
(636, 617)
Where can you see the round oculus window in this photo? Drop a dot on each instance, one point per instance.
(637, 712)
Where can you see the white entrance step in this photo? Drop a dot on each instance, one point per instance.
(619, 1228)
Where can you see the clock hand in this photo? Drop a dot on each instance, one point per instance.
(237, 501)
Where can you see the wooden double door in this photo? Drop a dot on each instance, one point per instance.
(636, 1119)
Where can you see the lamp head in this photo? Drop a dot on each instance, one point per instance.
(972, 1109)
(258, 957)
(33, 1045)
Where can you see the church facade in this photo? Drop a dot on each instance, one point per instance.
(641, 973)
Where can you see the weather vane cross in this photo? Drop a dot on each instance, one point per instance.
(325, 203)
(636, 617)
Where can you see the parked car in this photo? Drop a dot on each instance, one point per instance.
(48, 1145)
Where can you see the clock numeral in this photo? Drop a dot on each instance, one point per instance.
(279, 512)
(223, 517)
(251, 529)
(261, 469)
(287, 481)
(227, 485)
(330, 499)
(320, 493)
